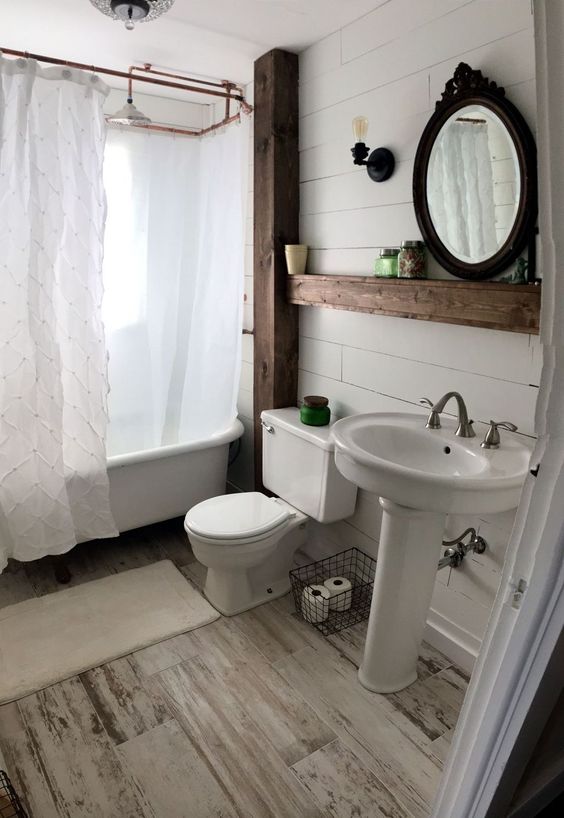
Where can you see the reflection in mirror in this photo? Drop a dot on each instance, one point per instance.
(473, 184)
(474, 179)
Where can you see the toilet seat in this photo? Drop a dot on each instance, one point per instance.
(231, 518)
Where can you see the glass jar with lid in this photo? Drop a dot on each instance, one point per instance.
(411, 260)
(315, 411)
(386, 265)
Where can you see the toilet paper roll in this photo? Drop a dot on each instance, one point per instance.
(340, 589)
(315, 603)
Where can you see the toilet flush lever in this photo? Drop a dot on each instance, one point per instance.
(269, 429)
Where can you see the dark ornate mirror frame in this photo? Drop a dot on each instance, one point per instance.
(469, 87)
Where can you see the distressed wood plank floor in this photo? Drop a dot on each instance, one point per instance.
(254, 716)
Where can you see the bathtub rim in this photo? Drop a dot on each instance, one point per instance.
(228, 435)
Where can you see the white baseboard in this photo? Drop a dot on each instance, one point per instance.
(452, 640)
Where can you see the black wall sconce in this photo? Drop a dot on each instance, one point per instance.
(381, 162)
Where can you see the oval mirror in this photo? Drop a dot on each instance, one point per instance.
(474, 183)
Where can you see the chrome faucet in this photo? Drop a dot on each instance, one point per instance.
(434, 421)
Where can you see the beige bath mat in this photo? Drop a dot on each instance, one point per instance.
(54, 637)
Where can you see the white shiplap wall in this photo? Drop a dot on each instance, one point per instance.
(391, 66)
(241, 472)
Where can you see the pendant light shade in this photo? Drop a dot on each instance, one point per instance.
(129, 115)
(132, 11)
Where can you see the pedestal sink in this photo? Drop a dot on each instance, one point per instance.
(420, 475)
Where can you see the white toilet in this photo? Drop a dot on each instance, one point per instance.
(248, 541)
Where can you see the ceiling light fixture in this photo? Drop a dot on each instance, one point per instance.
(133, 11)
(129, 115)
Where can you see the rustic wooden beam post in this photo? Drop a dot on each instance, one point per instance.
(276, 223)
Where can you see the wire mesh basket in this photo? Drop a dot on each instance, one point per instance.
(10, 804)
(335, 593)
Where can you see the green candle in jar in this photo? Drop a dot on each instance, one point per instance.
(386, 265)
(315, 411)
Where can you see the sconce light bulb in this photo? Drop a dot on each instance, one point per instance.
(360, 128)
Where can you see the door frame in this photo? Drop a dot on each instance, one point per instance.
(525, 625)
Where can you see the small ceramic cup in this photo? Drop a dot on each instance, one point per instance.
(296, 259)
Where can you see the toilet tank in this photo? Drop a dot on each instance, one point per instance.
(299, 466)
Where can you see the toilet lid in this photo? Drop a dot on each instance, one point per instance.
(236, 516)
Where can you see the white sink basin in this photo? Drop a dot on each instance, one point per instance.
(397, 457)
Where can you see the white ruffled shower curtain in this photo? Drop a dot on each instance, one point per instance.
(173, 271)
(53, 382)
(460, 191)
(173, 276)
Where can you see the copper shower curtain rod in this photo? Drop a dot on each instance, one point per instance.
(227, 88)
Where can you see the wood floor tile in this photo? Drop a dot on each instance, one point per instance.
(302, 558)
(256, 778)
(133, 549)
(223, 646)
(15, 586)
(276, 630)
(221, 642)
(85, 562)
(343, 787)
(431, 661)
(367, 723)
(350, 642)
(449, 686)
(292, 726)
(24, 763)
(428, 712)
(175, 778)
(237, 718)
(196, 573)
(165, 654)
(123, 704)
(275, 707)
(65, 762)
(440, 748)
(174, 541)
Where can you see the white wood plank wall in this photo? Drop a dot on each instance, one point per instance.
(241, 472)
(391, 66)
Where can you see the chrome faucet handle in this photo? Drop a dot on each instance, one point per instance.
(492, 438)
(434, 419)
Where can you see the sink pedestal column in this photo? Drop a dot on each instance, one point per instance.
(410, 547)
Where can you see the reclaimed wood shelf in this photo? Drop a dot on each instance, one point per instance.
(490, 304)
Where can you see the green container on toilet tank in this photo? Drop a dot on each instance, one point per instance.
(315, 411)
